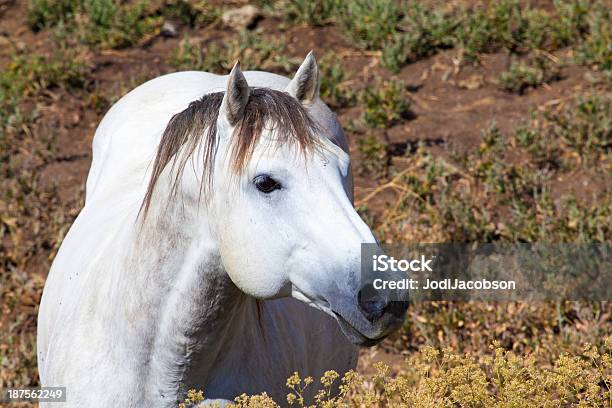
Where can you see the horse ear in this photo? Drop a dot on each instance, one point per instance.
(236, 96)
(305, 84)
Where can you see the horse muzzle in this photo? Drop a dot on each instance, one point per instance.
(370, 319)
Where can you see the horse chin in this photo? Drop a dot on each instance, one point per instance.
(354, 335)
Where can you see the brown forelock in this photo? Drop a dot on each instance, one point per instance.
(195, 129)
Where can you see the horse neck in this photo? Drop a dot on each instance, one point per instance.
(192, 307)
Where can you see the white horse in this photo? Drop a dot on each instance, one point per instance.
(216, 213)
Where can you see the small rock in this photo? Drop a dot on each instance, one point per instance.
(168, 30)
(20, 45)
(473, 82)
(241, 18)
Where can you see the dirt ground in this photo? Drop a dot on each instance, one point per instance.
(451, 102)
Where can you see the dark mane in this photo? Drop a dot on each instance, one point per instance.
(195, 129)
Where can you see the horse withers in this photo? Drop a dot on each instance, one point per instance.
(218, 247)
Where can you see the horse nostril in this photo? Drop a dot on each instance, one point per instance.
(372, 307)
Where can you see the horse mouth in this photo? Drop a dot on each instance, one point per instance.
(353, 335)
(351, 331)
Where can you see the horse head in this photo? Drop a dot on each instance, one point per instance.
(278, 197)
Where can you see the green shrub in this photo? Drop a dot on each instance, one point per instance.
(490, 27)
(370, 23)
(334, 91)
(384, 103)
(191, 13)
(422, 32)
(27, 74)
(508, 25)
(100, 23)
(48, 13)
(596, 49)
(522, 75)
(313, 12)
(252, 49)
(585, 128)
(570, 23)
(111, 26)
(374, 156)
(192, 55)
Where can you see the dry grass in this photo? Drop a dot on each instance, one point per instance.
(444, 378)
(524, 183)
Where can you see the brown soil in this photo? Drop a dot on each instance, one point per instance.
(451, 104)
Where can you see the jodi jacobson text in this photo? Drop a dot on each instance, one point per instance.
(444, 284)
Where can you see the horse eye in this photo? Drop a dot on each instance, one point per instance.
(266, 184)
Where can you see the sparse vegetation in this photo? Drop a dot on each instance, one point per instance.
(521, 76)
(585, 129)
(444, 378)
(28, 74)
(48, 13)
(370, 23)
(253, 50)
(27, 230)
(192, 13)
(498, 193)
(104, 23)
(334, 88)
(422, 33)
(317, 12)
(406, 31)
(472, 166)
(384, 103)
(596, 49)
(374, 156)
(520, 29)
(193, 55)
(113, 24)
